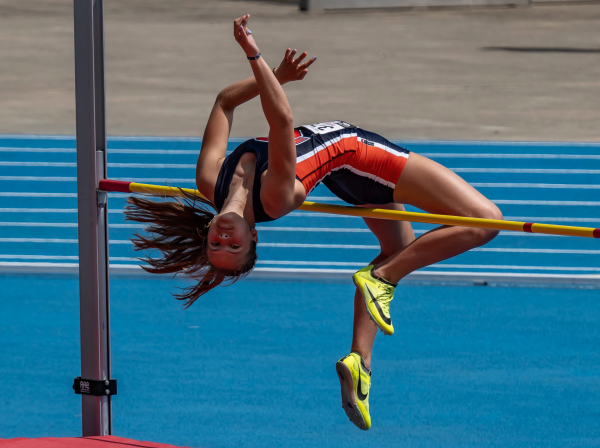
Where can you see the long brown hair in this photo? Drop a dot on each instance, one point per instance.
(178, 229)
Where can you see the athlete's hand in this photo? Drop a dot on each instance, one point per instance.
(243, 36)
(293, 70)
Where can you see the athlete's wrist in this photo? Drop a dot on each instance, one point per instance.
(253, 54)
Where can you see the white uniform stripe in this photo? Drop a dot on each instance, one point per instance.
(389, 149)
(327, 144)
(367, 175)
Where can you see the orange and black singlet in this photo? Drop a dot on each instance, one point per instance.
(358, 166)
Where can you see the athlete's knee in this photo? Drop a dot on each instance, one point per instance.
(487, 211)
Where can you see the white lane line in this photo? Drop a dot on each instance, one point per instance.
(38, 195)
(110, 165)
(38, 179)
(58, 257)
(149, 151)
(481, 249)
(514, 268)
(47, 210)
(152, 165)
(536, 251)
(193, 166)
(319, 215)
(74, 179)
(554, 186)
(39, 240)
(438, 265)
(495, 201)
(193, 152)
(65, 224)
(452, 155)
(563, 203)
(40, 224)
(39, 257)
(312, 229)
(439, 155)
(46, 164)
(54, 195)
(38, 210)
(38, 265)
(332, 263)
(48, 150)
(495, 143)
(524, 170)
(550, 218)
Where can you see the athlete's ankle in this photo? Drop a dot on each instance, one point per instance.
(366, 358)
(380, 274)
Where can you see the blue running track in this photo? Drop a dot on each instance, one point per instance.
(252, 365)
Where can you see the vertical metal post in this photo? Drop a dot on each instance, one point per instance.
(92, 213)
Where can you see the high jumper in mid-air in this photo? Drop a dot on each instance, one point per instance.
(264, 179)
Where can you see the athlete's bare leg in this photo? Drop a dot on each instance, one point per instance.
(393, 236)
(434, 188)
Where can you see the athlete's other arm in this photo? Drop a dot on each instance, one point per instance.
(216, 134)
(278, 185)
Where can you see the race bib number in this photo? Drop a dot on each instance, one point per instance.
(329, 126)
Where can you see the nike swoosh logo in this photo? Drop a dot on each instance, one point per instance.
(387, 320)
(361, 396)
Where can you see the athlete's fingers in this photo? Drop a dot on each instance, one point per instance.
(300, 58)
(308, 63)
(291, 56)
(236, 24)
(245, 20)
(241, 27)
(287, 54)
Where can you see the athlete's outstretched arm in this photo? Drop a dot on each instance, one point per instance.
(279, 183)
(216, 134)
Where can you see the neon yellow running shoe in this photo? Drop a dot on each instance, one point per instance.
(377, 294)
(355, 380)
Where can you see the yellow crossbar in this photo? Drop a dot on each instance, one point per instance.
(514, 226)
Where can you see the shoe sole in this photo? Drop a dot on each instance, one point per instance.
(368, 310)
(348, 396)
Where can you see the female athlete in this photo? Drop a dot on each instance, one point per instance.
(264, 179)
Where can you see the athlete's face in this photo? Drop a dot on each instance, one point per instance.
(229, 241)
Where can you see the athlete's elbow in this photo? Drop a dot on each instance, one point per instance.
(282, 121)
(224, 101)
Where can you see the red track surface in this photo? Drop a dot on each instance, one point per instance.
(80, 442)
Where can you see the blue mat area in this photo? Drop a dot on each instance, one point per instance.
(253, 365)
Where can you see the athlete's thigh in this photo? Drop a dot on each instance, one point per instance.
(393, 236)
(434, 188)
